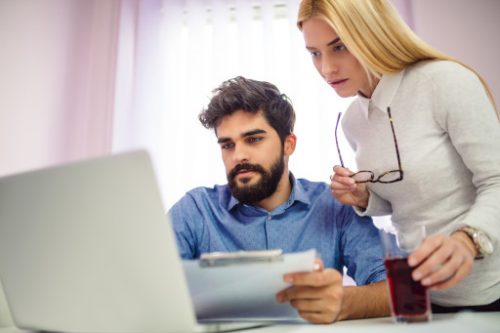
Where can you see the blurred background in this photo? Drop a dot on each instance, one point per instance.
(87, 78)
(80, 79)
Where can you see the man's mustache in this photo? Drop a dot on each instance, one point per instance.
(246, 167)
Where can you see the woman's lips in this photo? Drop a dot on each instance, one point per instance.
(336, 83)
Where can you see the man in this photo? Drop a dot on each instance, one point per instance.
(264, 206)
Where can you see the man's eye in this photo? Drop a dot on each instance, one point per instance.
(228, 145)
(254, 139)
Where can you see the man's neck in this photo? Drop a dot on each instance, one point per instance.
(279, 196)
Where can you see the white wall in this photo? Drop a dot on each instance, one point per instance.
(465, 29)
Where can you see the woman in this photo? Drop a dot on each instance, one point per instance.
(426, 134)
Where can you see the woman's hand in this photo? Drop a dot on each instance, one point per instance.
(346, 190)
(443, 261)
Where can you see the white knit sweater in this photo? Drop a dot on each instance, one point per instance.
(449, 142)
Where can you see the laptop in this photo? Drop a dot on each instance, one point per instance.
(88, 247)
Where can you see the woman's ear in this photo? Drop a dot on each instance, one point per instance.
(289, 146)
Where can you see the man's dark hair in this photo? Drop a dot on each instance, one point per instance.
(252, 96)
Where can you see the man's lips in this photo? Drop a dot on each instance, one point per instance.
(244, 172)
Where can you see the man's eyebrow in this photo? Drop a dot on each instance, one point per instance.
(244, 135)
(223, 140)
(253, 132)
(335, 41)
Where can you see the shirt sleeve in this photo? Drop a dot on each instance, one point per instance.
(361, 247)
(182, 215)
(463, 109)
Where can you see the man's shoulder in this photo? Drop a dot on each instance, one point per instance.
(317, 191)
(205, 196)
(310, 186)
(205, 191)
(215, 193)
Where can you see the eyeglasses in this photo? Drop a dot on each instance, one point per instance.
(366, 176)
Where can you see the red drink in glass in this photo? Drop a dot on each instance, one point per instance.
(409, 299)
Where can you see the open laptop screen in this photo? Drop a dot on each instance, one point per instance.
(87, 247)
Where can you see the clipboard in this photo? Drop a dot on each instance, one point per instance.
(242, 286)
(240, 257)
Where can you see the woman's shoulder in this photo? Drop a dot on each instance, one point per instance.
(439, 70)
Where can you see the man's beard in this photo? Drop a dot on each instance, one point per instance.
(264, 188)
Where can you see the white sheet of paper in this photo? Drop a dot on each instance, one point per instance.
(245, 291)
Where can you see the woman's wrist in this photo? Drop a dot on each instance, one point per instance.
(363, 200)
(464, 238)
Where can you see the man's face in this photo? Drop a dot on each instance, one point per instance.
(253, 156)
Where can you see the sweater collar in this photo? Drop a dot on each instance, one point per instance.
(383, 94)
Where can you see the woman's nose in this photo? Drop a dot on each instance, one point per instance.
(329, 66)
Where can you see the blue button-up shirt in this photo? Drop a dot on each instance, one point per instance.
(211, 219)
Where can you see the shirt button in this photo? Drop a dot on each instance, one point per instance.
(269, 217)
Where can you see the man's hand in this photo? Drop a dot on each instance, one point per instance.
(316, 295)
(443, 261)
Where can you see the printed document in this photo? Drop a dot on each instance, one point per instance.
(245, 291)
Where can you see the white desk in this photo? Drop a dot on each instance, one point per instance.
(441, 323)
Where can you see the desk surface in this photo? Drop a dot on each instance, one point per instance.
(466, 322)
(441, 323)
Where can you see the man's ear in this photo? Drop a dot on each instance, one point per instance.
(290, 142)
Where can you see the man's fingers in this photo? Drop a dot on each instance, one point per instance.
(314, 279)
(317, 317)
(304, 293)
(318, 264)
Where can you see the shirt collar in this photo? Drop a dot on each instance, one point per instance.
(298, 194)
(383, 94)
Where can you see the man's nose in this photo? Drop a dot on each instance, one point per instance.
(240, 154)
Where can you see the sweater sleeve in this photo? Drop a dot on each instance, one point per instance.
(376, 206)
(463, 109)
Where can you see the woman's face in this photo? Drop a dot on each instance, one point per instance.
(340, 69)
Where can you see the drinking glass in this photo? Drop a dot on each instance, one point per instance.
(410, 300)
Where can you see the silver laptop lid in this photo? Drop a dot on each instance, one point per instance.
(63, 267)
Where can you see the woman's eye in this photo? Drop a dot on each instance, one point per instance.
(339, 47)
(314, 54)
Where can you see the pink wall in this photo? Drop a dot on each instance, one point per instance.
(465, 29)
(57, 65)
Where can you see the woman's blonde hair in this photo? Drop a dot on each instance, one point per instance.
(376, 35)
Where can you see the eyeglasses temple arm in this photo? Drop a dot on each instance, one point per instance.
(337, 141)
(395, 140)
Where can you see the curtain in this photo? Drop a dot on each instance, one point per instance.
(181, 51)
